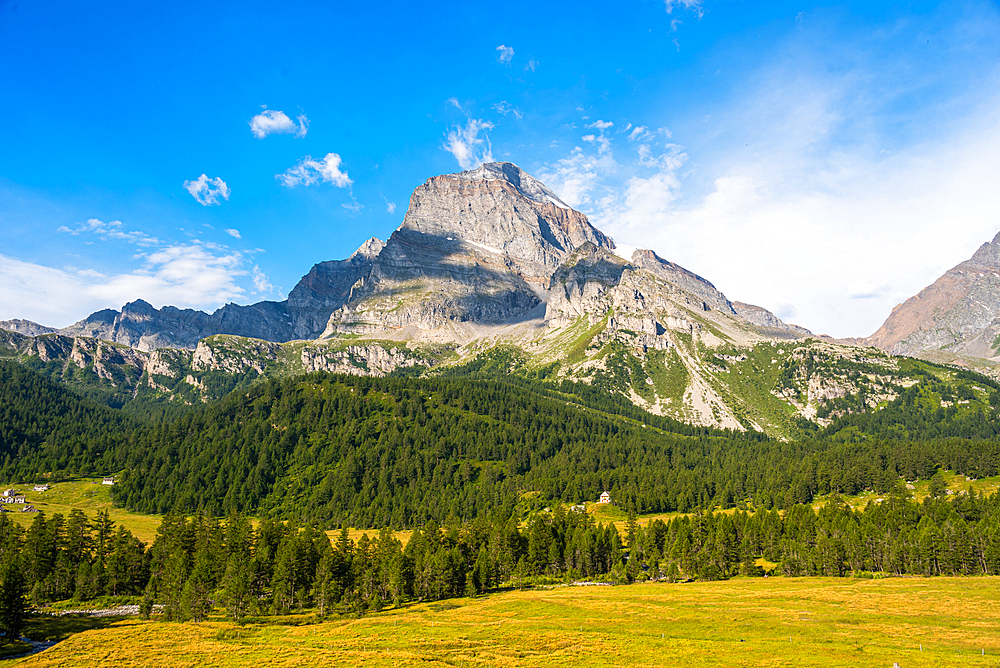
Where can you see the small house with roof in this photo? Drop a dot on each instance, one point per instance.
(108, 481)
(605, 497)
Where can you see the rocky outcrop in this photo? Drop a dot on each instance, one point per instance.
(760, 316)
(503, 210)
(327, 287)
(238, 356)
(143, 327)
(26, 327)
(479, 246)
(303, 315)
(959, 312)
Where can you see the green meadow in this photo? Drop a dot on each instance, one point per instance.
(914, 622)
(86, 494)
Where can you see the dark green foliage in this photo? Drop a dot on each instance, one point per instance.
(78, 559)
(13, 584)
(918, 413)
(45, 427)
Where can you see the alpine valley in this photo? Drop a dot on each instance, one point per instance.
(491, 275)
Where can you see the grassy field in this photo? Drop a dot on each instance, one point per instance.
(87, 494)
(90, 496)
(955, 484)
(743, 622)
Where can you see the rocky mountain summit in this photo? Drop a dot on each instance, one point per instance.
(26, 327)
(480, 246)
(488, 264)
(959, 313)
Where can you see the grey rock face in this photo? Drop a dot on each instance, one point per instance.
(303, 315)
(477, 246)
(143, 327)
(327, 287)
(959, 312)
(26, 327)
(683, 279)
(647, 298)
(761, 317)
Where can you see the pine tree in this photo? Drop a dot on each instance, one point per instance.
(13, 600)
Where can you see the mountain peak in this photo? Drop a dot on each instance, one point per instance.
(957, 313)
(525, 183)
(369, 250)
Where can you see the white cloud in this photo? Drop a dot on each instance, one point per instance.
(309, 172)
(207, 191)
(467, 146)
(272, 122)
(390, 207)
(640, 132)
(828, 185)
(692, 5)
(530, 65)
(260, 281)
(233, 233)
(506, 54)
(601, 125)
(110, 230)
(844, 234)
(504, 107)
(191, 275)
(354, 206)
(578, 178)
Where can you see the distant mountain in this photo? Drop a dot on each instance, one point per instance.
(25, 327)
(489, 270)
(958, 313)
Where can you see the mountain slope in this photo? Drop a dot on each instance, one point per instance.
(487, 260)
(958, 313)
(46, 428)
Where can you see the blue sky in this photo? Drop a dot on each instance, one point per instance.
(823, 161)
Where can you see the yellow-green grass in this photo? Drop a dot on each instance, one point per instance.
(954, 483)
(356, 534)
(802, 622)
(607, 512)
(86, 494)
(90, 496)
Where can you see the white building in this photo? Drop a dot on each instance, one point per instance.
(605, 497)
(41, 488)
(108, 481)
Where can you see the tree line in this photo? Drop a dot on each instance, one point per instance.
(198, 564)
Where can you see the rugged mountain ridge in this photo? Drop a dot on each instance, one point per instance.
(959, 313)
(488, 264)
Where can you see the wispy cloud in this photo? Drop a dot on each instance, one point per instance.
(691, 5)
(309, 172)
(207, 191)
(505, 54)
(233, 233)
(114, 230)
(503, 107)
(859, 196)
(467, 146)
(187, 275)
(390, 207)
(260, 281)
(273, 122)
